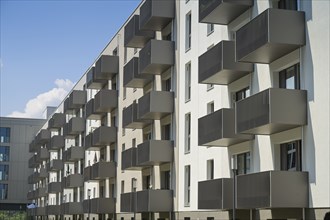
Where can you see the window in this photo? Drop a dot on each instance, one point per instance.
(210, 169)
(123, 147)
(187, 132)
(135, 50)
(188, 82)
(210, 107)
(122, 186)
(210, 29)
(166, 179)
(291, 156)
(187, 185)
(290, 77)
(188, 31)
(166, 84)
(243, 163)
(242, 94)
(4, 135)
(124, 92)
(3, 191)
(186, 218)
(4, 172)
(287, 4)
(167, 132)
(115, 52)
(4, 153)
(125, 54)
(210, 218)
(134, 181)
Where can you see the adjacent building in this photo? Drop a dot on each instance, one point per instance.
(195, 108)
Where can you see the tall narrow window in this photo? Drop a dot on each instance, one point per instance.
(122, 186)
(187, 132)
(210, 169)
(166, 131)
(210, 29)
(188, 82)
(166, 84)
(124, 92)
(188, 31)
(288, 4)
(115, 52)
(243, 163)
(187, 185)
(125, 54)
(4, 153)
(291, 156)
(4, 172)
(3, 191)
(290, 77)
(4, 135)
(210, 107)
(134, 142)
(242, 94)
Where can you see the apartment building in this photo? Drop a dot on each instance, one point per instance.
(15, 137)
(196, 110)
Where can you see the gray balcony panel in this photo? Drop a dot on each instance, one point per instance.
(134, 37)
(132, 78)
(218, 129)
(129, 159)
(104, 135)
(55, 165)
(72, 208)
(103, 170)
(222, 11)
(273, 189)
(218, 65)
(74, 180)
(40, 192)
(155, 105)
(90, 114)
(75, 101)
(130, 118)
(53, 210)
(89, 142)
(56, 142)
(106, 67)
(105, 101)
(33, 147)
(156, 57)
(127, 202)
(73, 154)
(57, 121)
(31, 195)
(42, 154)
(33, 163)
(43, 137)
(155, 15)
(100, 205)
(74, 127)
(54, 187)
(40, 211)
(271, 111)
(88, 173)
(154, 152)
(92, 82)
(215, 194)
(154, 201)
(271, 35)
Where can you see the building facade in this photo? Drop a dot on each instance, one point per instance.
(193, 110)
(15, 136)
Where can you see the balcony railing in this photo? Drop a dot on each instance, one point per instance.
(127, 202)
(73, 154)
(271, 35)
(92, 82)
(56, 142)
(154, 152)
(56, 121)
(72, 181)
(54, 187)
(105, 101)
(132, 78)
(100, 205)
(103, 170)
(74, 127)
(154, 201)
(130, 118)
(104, 135)
(72, 208)
(75, 101)
(43, 137)
(55, 165)
(106, 67)
(129, 159)
(53, 209)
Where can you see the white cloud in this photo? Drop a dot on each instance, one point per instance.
(35, 107)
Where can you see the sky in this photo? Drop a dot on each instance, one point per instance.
(46, 46)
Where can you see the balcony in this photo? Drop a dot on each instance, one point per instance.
(215, 194)
(222, 11)
(155, 105)
(33, 147)
(88, 173)
(40, 211)
(33, 163)
(128, 159)
(271, 111)
(134, 37)
(127, 202)
(218, 65)
(130, 118)
(103, 170)
(273, 189)
(55, 165)
(54, 187)
(31, 195)
(218, 129)
(103, 136)
(73, 180)
(43, 137)
(104, 101)
(132, 78)
(56, 121)
(53, 210)
(155, 15)
(92, 82)
(154, 201)
(75, 101)
(56, 142)
(100, 205)
(72, 208)
(40, 192)
(271, 35)
(106, 67)
(74, 127)
(154, 152)
(156, 57)
(42, 154)
(73, 154)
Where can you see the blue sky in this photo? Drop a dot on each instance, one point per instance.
(47, 45)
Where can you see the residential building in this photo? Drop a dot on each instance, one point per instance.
(188, 99)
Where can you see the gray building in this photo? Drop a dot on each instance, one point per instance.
(15, 136)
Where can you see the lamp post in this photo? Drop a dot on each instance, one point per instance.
(89, 202)
(234, 169)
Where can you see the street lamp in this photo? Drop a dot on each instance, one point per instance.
(234, 169)
(89, 202)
